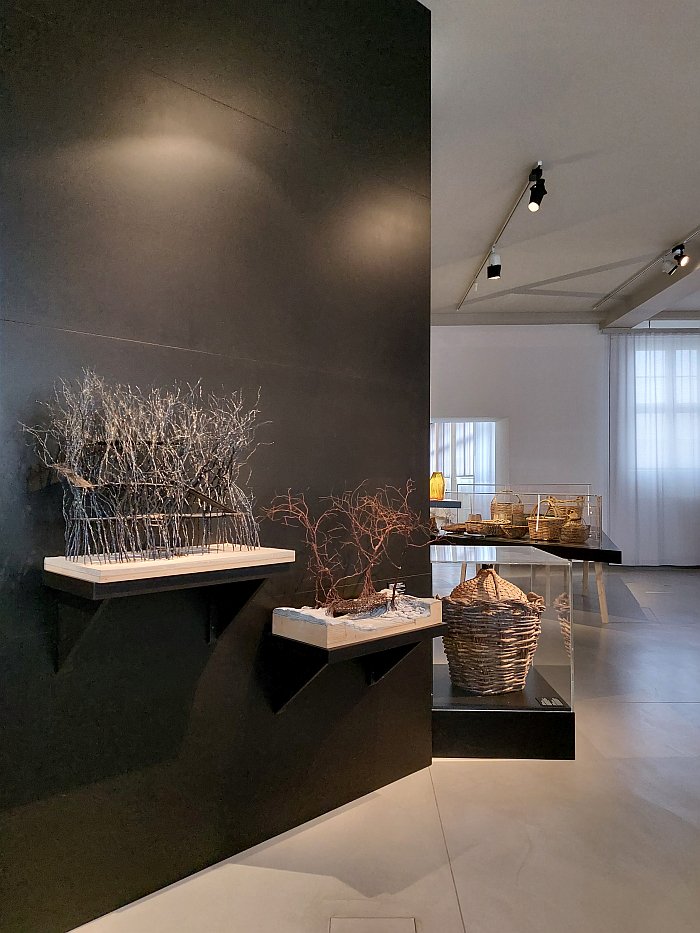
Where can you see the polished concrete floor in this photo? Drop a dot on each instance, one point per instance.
(609, 843)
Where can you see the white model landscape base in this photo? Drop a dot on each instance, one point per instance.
(226, 557)
(317, 627)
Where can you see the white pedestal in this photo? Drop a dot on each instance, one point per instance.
(228, 557)
(312, 627)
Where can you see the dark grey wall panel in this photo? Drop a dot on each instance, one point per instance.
(309, 69)
(235, 193)
(199, 208)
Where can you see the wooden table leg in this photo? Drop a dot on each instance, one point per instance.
(463, 572)
(548, 584)
(602, 598)
(585, 575)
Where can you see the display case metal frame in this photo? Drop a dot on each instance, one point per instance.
(598, 553)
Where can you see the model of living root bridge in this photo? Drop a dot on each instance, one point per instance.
(149, 474)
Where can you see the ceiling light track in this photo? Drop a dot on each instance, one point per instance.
(670, 259)
(537, 192)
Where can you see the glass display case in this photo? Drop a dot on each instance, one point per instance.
(536, 721)
(570, 513)
(444, 513)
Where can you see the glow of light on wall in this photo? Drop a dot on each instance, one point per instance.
(163, 160)
(168, 153)
(383, 227)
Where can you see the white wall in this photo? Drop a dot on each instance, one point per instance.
(549, 381)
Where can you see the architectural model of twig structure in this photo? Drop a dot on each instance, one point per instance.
(149, 474)
(348, 540)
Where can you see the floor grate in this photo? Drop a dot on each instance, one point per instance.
(372, 925)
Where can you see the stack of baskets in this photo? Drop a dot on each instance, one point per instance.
(493, 629)
(573, 530)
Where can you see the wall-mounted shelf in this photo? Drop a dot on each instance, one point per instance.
(302, 662)
(445, 504)
(99, 580)
(84, 589)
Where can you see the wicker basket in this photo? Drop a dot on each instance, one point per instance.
(493, 628)
(484, 527)
(505, 513)
(574, 532)
(455, 528)
(544, 527)
(570, 508)
(514, 531)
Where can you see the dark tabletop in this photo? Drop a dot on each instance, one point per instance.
(603, 551)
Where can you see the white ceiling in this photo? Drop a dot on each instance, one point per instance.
(689, 303)
(605, 93)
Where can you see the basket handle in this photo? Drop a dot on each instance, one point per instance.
(535, 513)
(565, 501)
(506, 492)
(573, 500)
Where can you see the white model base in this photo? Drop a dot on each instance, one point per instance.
(315, 627)
(226, 557)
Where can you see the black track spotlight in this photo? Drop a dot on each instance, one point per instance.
(679, 254)
(669, 266)
(538, 190)
(493, 270)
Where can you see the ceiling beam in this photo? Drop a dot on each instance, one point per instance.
(658, 293)
(678, 316)
(452, 318)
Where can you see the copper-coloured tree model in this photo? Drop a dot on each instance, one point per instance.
(350, 538)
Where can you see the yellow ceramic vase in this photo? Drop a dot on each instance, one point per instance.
(437, 487)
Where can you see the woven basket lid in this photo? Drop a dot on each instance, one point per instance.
(488, 587)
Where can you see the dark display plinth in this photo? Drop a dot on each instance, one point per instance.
(513, 725)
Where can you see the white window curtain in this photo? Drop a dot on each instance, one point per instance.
(655, 448)
(463, 451)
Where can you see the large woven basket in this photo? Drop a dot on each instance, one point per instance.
(507, 512)
(544, 527)
(493, 628)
